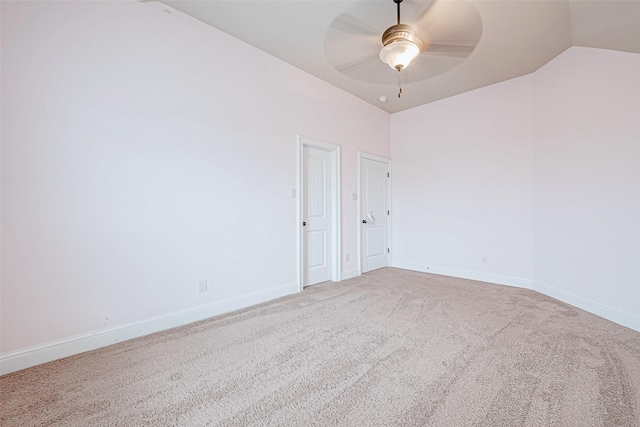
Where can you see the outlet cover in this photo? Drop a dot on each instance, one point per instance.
(202, 285)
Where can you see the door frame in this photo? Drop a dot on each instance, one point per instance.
(387, 161)
(336, 232)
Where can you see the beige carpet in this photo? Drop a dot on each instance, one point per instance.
(390, 348)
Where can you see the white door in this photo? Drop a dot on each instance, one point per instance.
(316, 215)
(374, 209)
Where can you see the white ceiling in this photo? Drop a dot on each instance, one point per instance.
(517, 37)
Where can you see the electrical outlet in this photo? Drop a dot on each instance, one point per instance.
(202, 285)
(346, 257)
(485, 259)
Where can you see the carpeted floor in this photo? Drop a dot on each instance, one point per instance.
(389, 348)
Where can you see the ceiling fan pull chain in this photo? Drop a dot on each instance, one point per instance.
(401, 46)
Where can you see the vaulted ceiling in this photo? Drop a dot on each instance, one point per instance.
(333, 39)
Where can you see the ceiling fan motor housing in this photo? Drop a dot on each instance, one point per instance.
(401, 32)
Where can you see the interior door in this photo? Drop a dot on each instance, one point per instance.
(374, 209)
(316, 215)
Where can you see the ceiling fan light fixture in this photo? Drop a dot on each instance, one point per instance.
(401, 46)
(398, 55)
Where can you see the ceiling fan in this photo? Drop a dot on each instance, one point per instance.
(439, 35)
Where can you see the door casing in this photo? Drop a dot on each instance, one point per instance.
(303, 141)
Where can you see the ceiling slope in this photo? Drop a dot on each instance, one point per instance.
(518, 37)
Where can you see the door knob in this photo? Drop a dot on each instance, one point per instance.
(364, 221)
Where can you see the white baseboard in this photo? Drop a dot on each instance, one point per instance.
(598, 309)
(608, 313)
(466, 274)
(36, 355)
(350, 274)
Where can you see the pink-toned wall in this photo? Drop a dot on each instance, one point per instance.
(143, 150)
(587, 179)
(463, 184)
(541, 174)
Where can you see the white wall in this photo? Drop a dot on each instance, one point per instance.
(587, 177)
(462, 184)
(143, 150)
(540, 173)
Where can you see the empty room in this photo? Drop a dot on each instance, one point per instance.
(320, 212)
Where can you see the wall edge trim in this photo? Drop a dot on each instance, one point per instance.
(58, 349)
(613, 315)
(518, 282)
(591, 306)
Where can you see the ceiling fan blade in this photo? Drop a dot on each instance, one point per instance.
(351, 46)
(454, 26)
(449, 30)
(443, 49)
(420, 13)
(357, 63)
(352, 25)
